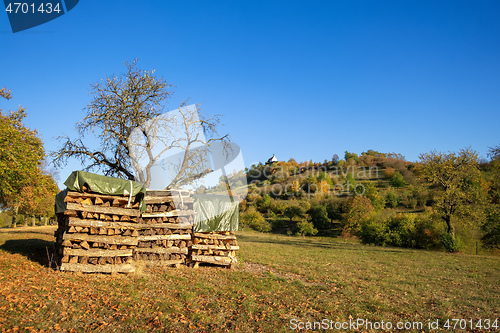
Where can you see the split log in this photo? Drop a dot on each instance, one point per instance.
(73, 195)
(215, 247)
(89, 268)
(214, 260)
(157, 237)
(162, 250)
(103, 239)
(169, 214)
(212, 236)
(102, 210)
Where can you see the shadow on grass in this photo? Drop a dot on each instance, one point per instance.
(311, 242)
(21, 231)
(37, 250)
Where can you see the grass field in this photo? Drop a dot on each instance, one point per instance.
(281, 282)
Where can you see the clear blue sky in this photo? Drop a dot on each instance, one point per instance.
(302, 79)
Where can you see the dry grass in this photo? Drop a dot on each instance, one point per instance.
(280, 278)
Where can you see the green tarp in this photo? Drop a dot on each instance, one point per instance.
(215, 213)
(103, 185)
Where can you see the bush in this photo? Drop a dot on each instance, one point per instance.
(392, 199)
(389, 172)
(359, 209)
(319, 217)
(306, 228)
(255, 220)
(451, 243)
(397, 180)
(491, 228)
(373, 194)
(264, 203)
(402, 230)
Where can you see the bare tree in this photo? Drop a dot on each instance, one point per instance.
(125, 114)
(178, 144)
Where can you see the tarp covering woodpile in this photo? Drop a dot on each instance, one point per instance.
(81, 181)
(215, 213)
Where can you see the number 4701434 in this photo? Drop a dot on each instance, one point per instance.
(25, 8)
(485, 324)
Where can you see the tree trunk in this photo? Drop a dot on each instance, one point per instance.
(33, 220)
(44, 220)
(449, 227)
(25, 220)
(14, 217)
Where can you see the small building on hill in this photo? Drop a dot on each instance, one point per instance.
(272, 160)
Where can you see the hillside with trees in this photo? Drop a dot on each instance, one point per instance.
(447, 201)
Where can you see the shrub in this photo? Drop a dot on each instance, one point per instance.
(392, 199)
(389, 172)
(264, 203)
(334, 209)
(491, 228)
(306, 228)
(359, 209)
(402, 230)
(452, 243)
(350, 182)
(319, 217)
(373, 194)
(397, 180)
(292, 210)
(255, 220)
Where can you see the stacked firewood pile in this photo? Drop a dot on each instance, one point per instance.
(166, 228)
(217, 248)
(97, 233)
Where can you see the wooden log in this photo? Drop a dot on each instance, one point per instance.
(74, 221)
(70, 213)
(214, 247)
(162, 263)
(161, 250)
(85, 245)
(66, 243)
(157, 237)
(83, 260)
(170, 214)
(86, 201)
(214, 260)
(102, 239)
(98, 201)
(73, 259)
(89, 268)
(213, 236)
(103, 210)
(73, 195)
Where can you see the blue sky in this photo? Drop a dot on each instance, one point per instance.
(301, 79)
